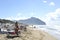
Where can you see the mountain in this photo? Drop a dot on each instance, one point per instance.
(6, 21)
(32, 21)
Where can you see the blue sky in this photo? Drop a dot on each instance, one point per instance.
(22, 9)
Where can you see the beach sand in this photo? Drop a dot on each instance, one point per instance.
(30, 34)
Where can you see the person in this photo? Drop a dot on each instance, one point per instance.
(21, 27)
(25, 29)
(16, 28)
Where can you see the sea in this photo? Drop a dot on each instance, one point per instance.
(52, 30)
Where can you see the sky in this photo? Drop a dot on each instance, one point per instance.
(46, 10)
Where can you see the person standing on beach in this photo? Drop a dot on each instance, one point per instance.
(16, 28)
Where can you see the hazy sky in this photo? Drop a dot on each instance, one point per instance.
(47, 10)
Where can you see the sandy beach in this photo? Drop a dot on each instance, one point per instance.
(30, 34)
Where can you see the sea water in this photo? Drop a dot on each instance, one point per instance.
(53, 30)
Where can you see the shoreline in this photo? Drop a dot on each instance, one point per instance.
(54, 33)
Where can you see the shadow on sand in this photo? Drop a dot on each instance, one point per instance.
(11, 37)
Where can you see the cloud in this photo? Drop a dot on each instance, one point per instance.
(17, 17)
(52, 4)
(32, 14)
(53, 18)
(20, 16)
(44, 1)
